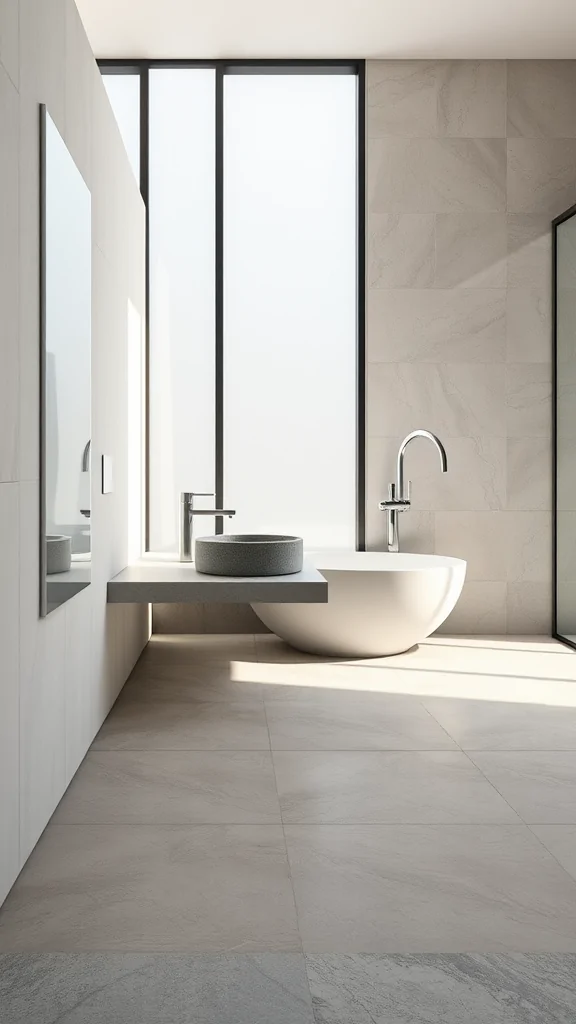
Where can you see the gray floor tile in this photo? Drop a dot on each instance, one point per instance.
(181, 683)
(118, 988)
(144, 888)
(495, 725)
(539, 784)
(163, 725)
(432, 786)
(444, 989)
(153, 787)
(207, 648)
(560, 840)
(429, 888)
(354, 721)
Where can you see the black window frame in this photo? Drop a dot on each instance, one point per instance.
(142, 68)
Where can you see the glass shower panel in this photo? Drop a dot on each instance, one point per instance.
(566, 428)
(182, 295)
(290, 304)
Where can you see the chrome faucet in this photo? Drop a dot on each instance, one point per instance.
(187, 513)
(399, 498)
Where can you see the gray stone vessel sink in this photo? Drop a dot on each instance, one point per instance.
(249, 554)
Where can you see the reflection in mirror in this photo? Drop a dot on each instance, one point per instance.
(65, 544)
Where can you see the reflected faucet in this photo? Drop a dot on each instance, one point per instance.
(86, 457)
(187, 513)
(399, 499)
(84, 468)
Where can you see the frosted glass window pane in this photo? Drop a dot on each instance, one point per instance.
(290, 198)
(124, 95)
(182, 253)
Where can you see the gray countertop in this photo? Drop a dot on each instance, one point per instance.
(166, 581)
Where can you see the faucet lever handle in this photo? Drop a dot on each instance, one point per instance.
(391, 492)
(408, 493)
(187, 497)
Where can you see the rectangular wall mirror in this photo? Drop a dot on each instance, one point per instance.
(65, 448)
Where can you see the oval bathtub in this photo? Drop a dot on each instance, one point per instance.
(379, 603)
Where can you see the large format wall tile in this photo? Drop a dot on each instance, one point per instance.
(436, 175)
(529, 607)
(401, 250)
(541, 175)
(529, 472)
(481, 538)
(472, 98)
(470, 250)
(42, 79)
(9, 48)
(529, 250)
(431, 99)
(489, 302)
(452, 399)
(72, 663)
(42, 687)
(80, 70)
(529, 324)
(431, 326)
(9, 686)
(402, 98)
(481, 609)
(541, 99)
(9, 283)
(528, 400)
(528, 547)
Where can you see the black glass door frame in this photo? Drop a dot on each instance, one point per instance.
(556, 223)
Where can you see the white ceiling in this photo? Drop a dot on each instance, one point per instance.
(331, 28)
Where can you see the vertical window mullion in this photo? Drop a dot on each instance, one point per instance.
(219, 294)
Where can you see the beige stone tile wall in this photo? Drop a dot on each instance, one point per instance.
(468, 162)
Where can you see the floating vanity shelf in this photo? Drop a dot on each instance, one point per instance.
(167, 582)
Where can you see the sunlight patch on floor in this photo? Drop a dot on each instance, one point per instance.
(526, 670)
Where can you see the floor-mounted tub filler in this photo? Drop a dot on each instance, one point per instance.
(379, 603)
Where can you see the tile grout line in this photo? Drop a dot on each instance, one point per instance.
(493, 785)
(549, 852)
(439, 724)
(288, 865)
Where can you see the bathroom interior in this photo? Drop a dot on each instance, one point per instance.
(287, 513)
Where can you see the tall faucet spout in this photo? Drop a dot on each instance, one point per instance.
(402, 450)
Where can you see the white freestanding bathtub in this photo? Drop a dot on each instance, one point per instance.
(378, 603)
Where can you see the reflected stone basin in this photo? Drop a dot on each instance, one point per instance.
(58, 553)
(249, 554)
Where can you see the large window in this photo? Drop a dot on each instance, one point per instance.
(252, 177)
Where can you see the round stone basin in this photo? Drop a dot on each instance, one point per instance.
(249, 554)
